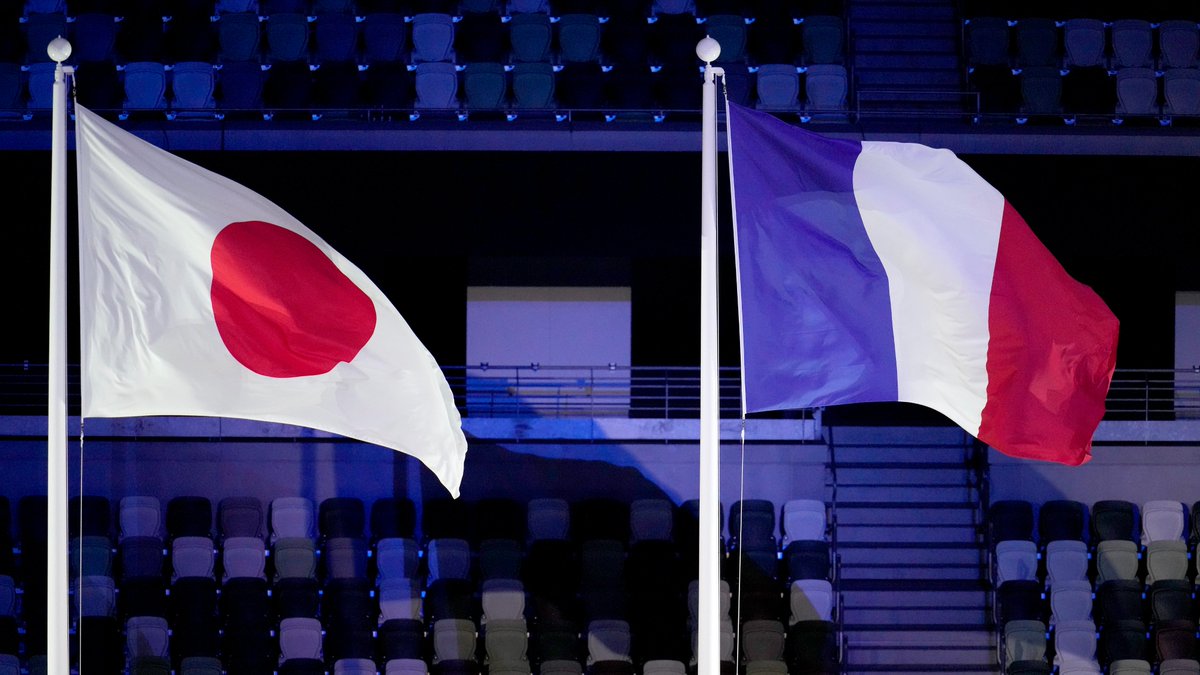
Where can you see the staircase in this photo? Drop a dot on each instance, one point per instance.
(907, 59)
(912, 556)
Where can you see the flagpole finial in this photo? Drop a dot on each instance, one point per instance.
(708, 49)
(59, 49)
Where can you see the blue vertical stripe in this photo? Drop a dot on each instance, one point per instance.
(814, 301)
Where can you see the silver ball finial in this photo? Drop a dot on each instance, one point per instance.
(59, 49)
(708, 49)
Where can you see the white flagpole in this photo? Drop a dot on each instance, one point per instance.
(57, 602)
(708, 639)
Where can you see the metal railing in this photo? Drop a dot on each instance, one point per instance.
(536, 390)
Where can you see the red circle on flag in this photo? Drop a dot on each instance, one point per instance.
(282, 307)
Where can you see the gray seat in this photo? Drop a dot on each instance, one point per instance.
(244, 557)
(345, 558)
(292, 518)
(1070, 601)
(826, 88)
(299, 638)
(1116, 559)
(506, 641)
(811, 600)
(399, 598)
(140, 516)
(354, 666)
(295, 558)
(548, 519)
(97, 596)
(765, 667)
(1075, 644)
(763, 640)
(1179, 667)
(200, 665)
(608, 640)
(1066, 560)
(1129, 667)
(502, 599)
(448, 559)
(1084, 42)
(1024, 640)
(147, 636)
(1162, 520)
(192, 557)
(651, 520)
(406, 667)
(1015, 559)
(240, 517)
(454, 640)
(1166, 559)
(803, 519)
(396, 558)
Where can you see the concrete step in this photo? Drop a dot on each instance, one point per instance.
(919, 655)
(906, 474)
(874, 492)
(932, 11)
(977, 616)
(907, 553)
(859, 600)
(905, 514)
(899, 438)
(917, 532)
(870, 27)
(932, 635)
(916, 669)
(912, 60)
(907, 44)
(913, 572)
(921, 454)
(894, 78)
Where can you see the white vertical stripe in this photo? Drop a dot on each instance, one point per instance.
(935, 225)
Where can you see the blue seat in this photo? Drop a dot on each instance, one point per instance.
(579, 38)
(336, 37)
(12, 92)
(824, 40)
(436, 85)
(530, 35)
(533, 86)
(778, 87)
(385, 37)
(238, 37)
(40, 29)
(481, 37)
(240, 87)
(485, 86)
(193, 88)
(389, 86)
(432, 37)
(93, 37)
(145, 86)
(286, 37)
(730, 31)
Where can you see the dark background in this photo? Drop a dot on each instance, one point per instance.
(425, 225)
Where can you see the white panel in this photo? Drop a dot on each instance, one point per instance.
(935, 225)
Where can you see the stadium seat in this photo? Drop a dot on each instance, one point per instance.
(803, 519)
(1132, 44)
(1163, 520)
(291, 518)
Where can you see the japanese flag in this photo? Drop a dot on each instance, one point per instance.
(200, 297)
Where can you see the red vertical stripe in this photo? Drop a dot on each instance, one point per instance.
(1051, 353)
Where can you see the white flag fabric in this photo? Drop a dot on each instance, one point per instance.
(200, 297)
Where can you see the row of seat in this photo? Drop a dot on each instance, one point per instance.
(1082, 43)
(197, 89)
(1077, 647)
(1104, 520)
(384, 38)
(1063, 10)
(1125, 93)
(646, 519)
(766, 9)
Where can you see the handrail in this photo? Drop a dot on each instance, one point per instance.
(536, 390)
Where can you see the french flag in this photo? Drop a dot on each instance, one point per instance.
(877, 271)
